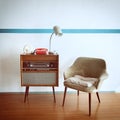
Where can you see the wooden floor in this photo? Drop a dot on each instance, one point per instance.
(41, 107)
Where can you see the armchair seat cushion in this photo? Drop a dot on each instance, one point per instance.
(81, 83)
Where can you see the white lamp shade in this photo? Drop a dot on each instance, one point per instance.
(57, 30)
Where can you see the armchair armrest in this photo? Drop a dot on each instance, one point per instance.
(104, 76)
(101, 79)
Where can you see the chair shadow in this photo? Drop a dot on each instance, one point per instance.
(79, 113)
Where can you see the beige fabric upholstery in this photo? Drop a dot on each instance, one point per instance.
(88, 68)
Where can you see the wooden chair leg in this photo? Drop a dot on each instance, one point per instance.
(64, 96)
(54, 94)
(78, 92)
(89, 104)
(98, 96)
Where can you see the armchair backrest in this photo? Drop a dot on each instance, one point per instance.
(87, 67)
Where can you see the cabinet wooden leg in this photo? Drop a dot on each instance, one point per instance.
(26, 93)
(78, 92)
(54, 94)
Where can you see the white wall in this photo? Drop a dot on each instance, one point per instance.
(68, 14)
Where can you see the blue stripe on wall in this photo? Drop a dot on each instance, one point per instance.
(91, 30)
(26, 30)
(74, 31)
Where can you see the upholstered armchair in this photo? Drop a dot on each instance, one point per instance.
(85, 74)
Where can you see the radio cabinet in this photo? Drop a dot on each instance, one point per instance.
(39, 70)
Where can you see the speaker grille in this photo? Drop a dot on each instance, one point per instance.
(39, 78)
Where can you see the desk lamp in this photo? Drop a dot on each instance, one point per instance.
(57, 31)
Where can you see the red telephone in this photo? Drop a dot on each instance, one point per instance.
(41, 51)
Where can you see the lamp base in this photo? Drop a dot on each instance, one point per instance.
(50, 53)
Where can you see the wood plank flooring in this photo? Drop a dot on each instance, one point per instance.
(42, 107)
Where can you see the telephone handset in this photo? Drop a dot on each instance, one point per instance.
(41, 51)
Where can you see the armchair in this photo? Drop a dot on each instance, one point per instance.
(85, 74)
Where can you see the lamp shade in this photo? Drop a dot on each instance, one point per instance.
(57, 30)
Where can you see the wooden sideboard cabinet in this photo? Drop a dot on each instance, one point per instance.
(39, 70)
